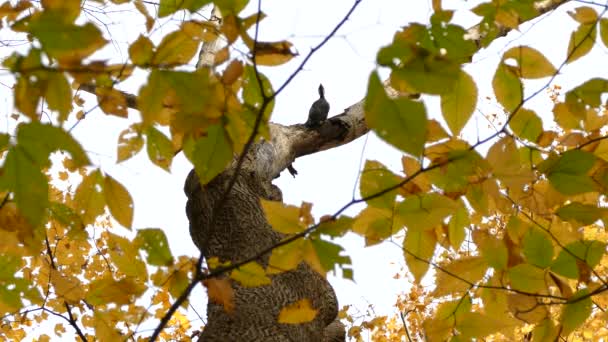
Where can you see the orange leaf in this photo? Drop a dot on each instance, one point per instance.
(220, 292)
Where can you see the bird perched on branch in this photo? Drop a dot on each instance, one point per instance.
(318, 111)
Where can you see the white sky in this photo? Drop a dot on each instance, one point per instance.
(343, 65)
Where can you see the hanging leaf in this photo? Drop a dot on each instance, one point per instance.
(272, 54)
(576, 311)
(250, 275)
(220, 292)
(426, 211)
(160, 148)
(211, 153)
(376, 178)
(130, 142)
(531, 63)
(119, 201)
(89, 200)
(154, 242)
(538, 248)
(458, 105)
(527, 278)
(400, 122)
(581, 41)
(417, 245)
(458, 276)
(507, 88)
(283, 218)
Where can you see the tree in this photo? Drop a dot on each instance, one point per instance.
(528, 201)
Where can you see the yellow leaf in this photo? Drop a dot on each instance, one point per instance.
(602, 150)
(458, 275)
(130, 142)
(419, 244)
(108, 290)
(112, 101)
(458, 105)
(176, 48)
(286, 257)
(126, 256)
(425, 211)
(376, 224)
(119, 201)
(67, 287)
(527, 308)
(275, 53)
(584, 15)
(283, 218)
(220, 292)
(141, 51)
(105, 329)
(298, 312)
(581, 41)
(475, 324)
(89, 199)
(250, 275)
(530, 62)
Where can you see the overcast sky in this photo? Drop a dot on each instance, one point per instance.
(326, 179)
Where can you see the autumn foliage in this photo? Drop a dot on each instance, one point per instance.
(509, 229)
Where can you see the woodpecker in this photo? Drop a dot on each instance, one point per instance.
(318, 111)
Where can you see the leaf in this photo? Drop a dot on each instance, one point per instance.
(250, 275)
(545, 331)
(283, 218)
(275, 53)
(89, 200)
(130, 142)
(567, 261)
(457, 276)
(425, 211)
(376, 178)
(28, 184)
(286, 257)
(58, 94)
(125, 255)
(220, 292)
(337, 227)
(531, 63)
(527, 278)
(400, 122)
(211, 154)
(55, 138)
(581, 41)
(537, 248)
(458, 105)
(72, 45)
(456, 227)
(506, 161)
(478, 325)
(160, 149)
(112, 101)
(154, 242)
(329, 255)
(419, 244)
(565, 118)
(584, 213)
(108, 290)
(298, 312)
(168, 7)
(526, 124)
(584, 15)
(507, 88)
(141, 51)
(568, 174)
(527, 308)
(376, 224)
(176, 48)
(576, 311)
(119, 201)
(67, 287)
(492, 249)
(604, 31)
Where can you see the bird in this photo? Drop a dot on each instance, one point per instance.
(318, 111)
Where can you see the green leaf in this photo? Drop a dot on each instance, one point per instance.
(458, 105)
(478, 325)
(581, 41)
(337, 227)
(108, 290)
(176, 48)
(60, 39)
(283, 218)
(58, 94)
(419, 244)
(400, 122)
(160, 149)
(28, 184)
(508, 88)
(427, 74)
(329, 255)
(425, 211)
(68, 217)
(141, 51)
(119, 201)
(531, 63)
(537, 248)
(586, 214)
(376, 178)
(29, 138)
(526, 124)
(589, 251)
(576, 311)
(545, 331)
(154, 242)
(211, 154)
(528, 278)
(168, 7)
(568, 174)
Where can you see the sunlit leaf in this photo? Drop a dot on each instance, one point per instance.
(458, 105)
(527, 308)
(456, 227)
(329, 255)
(530, 62)
(298, 312)
(376, 178)
(526, 124)
(176, 48)
(286, 257)
(568, 173)
(475, 324)
(576, 311)
(426, 211)
(567, 262)
(211, 153)
(55, 138)
(581, 41)
(584, 15)
(283, 218)
(507, 88)
(89, 198)
(125, 255)
(545, 331)
(419, 247)
(154, 242)
(119, 201)
(400, 122)
(67, 287)
(130, 142)
(583, 213)
(160, 149)
(492, 249)
(250, 275)
(108, 290)
(604, 31)
(459, 275)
